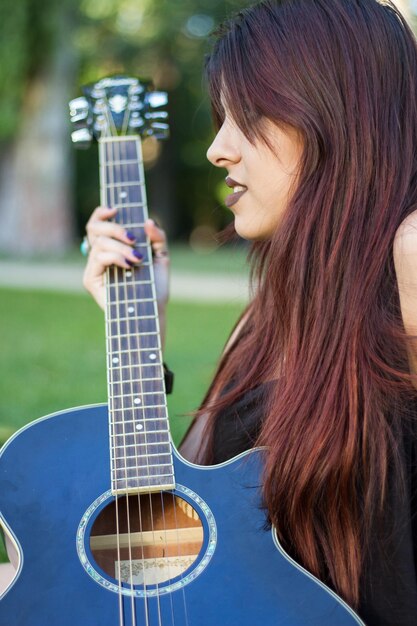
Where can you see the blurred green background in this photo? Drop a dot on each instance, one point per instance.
(48, 189)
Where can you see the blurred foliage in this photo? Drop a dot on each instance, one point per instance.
(161, 39)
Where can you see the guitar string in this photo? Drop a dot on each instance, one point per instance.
(167, 559)
(104, 148)
(165, 417)
(143, 408)
(138, 154)
(119, 178)
(133, 272)
(129, 220)
(120, 371)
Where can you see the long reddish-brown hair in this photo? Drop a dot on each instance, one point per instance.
(325, 300)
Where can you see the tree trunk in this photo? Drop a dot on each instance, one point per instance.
(36, 169)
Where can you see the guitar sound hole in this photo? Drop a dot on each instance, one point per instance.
(148, 539)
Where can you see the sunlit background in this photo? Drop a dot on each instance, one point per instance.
(51, 334)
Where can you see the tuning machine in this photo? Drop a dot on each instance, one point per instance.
(81, 120)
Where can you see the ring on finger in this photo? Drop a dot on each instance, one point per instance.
(85, 246)
(160, 254)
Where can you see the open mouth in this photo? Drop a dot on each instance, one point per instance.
(235, 196)
(238, 191)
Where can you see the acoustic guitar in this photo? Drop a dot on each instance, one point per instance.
(110, 525)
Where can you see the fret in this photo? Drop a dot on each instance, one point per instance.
(123, 162)
(150, 416)
(133, 326)
(139, 465)
(150, 456)
(138, 403)
(140, 433)
(128, 335)
(124, 302)
(118, 138)
(150, 426)
(134, 183)
(147, 426)
(122, 470)
(130, 485)
(132, 224)
(143, 393)
(134, 350)
(123, 366)
(134, 440)
(142, 301)
(167, 444)
(137, 375)
(132, 283)
(134, 342)
(120, 308)
(153, 406)
(136, 317)
(133, 363)
(146, 306)
(130, 205)
(145, 382)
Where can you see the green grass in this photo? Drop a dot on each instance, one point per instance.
(53, 355)
(228, 259)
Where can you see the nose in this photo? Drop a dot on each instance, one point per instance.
(224, 150)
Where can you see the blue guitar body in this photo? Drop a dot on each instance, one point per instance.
(54, 477)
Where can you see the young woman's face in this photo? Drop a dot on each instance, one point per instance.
(260, 176)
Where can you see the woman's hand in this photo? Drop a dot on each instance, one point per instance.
(110, 244)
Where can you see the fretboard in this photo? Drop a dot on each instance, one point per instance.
(140, 447)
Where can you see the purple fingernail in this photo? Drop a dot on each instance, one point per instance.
(129, 262)
(130, 235)
(138, 255)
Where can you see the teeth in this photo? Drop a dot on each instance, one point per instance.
(238, 189)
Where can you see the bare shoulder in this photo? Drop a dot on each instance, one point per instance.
(405, 241)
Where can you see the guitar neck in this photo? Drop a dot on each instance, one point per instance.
(140, 447)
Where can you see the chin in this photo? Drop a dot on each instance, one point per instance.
(248, 232)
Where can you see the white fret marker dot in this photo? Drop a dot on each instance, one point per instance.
(152, 356)
(123, 194)
(137, 400)
(128, 274)
(115, 360)
(131, 309)
(139, 426)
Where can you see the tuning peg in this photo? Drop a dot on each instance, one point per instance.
(159, 131)
(82, 138)
(136, 121)
(157, 116)
(157, 99)
(79, 110)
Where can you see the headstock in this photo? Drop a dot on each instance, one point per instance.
(118, 105)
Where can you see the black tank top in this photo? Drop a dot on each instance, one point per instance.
(389, 586)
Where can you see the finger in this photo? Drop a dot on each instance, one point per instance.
(112, 246)
(109, 229)
(155, 234)
(158, 240)
(101, 213)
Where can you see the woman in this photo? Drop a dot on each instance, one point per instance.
(315, 102)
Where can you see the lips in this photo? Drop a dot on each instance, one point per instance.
(238, 191)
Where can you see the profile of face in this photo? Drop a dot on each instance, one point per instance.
(260, 175)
